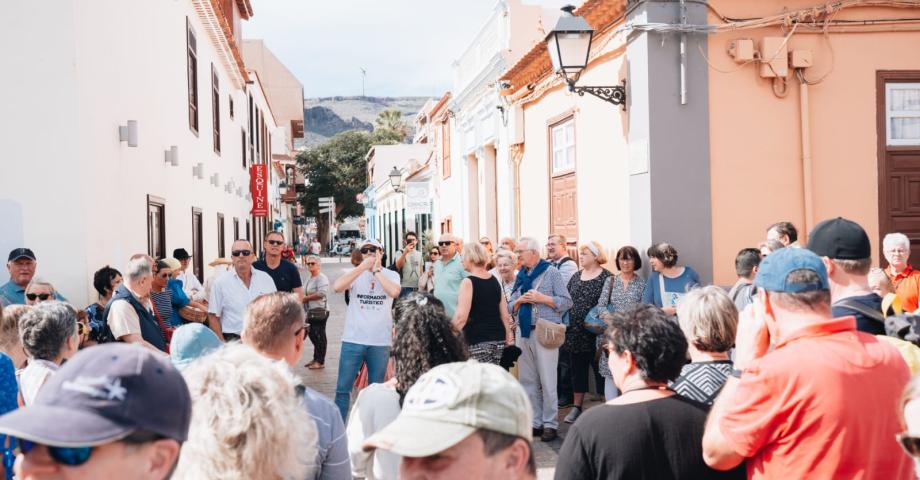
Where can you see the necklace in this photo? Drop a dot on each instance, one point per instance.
(648, 387)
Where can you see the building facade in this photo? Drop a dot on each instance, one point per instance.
(155, 128)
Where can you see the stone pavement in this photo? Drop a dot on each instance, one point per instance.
(324, 380)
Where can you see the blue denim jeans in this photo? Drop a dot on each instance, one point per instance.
(403, 291)
(350, 359)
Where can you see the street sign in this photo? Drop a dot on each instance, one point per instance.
(325, 210)
(326, 199)
(326, 204)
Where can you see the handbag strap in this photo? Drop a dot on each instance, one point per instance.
(851, 304)
(661, 287)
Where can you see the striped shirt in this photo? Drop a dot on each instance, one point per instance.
(162, 304)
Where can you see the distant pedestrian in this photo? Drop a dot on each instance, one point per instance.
(623, 291)
(220, 266)
(106, 280)
(317, 291)
(423, 340)
(284, 274)
(39, 290)
(506, 271)
(906, 280)
(557, 254)
(448, 273)
(368, 330)
(767, 247)
(668, 281)
(539, 294)
(486, 243)
(10, 341)
(49, 337)
(112, 411)
(580, 345)
(426, 280)
(409, 264)
(234, 290)
(785, 233)
(21, 265)
(129, 315)
(482, 312)
(746, 263)
(274, 327)
(190, 283)
(709, 321)
(657, 433)
(462, 420)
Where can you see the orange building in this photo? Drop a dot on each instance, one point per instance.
(738, 114)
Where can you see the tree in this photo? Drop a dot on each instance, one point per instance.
(390, 122)
(337, 168)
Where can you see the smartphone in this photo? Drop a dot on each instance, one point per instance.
(428, 265)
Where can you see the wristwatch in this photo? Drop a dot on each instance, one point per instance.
(736, 373)
(376, 270)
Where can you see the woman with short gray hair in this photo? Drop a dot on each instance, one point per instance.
(49, 336)
(709, 320)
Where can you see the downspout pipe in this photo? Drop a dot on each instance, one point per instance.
(807, 185)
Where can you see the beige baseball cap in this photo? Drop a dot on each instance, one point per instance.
(449, 403)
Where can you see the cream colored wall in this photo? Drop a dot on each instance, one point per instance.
(601, 154)
(282, 87)
(83, 193)
(755, 136)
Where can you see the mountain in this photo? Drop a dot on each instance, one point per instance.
(325, 117)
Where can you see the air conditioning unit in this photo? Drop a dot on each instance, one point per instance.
(198, 171)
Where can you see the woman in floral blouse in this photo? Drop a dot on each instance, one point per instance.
(623, 290)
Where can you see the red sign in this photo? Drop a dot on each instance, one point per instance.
(258, 187)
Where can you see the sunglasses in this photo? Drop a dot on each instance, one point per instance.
(485, 243)
(435, 253)
(312, 263)
(445, 244)
(275, 242)
(368, 249)
(76, 456)
(40, 296)
(244, 253)
(163, 275)
(910, 444)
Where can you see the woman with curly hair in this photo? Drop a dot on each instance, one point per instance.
(423, 339)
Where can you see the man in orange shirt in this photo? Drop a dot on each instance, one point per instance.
(823, 403)
(906, 280)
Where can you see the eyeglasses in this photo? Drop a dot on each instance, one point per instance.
(445, 244)
(275, 242)
(244, 253)
(312, 263)
(40, 296)
(76, 456)
(301, 331)
(909, 443)
(368, 249)
(485, 244)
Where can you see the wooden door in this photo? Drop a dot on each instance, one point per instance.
(564, 216)
(563, 186)
(898, 110)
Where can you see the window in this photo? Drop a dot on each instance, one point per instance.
(197, 248)
(902, 113)
(236, 229)
(230, 99)
(248, 238)
(445, 147)
(243, 151)
(192, 65)
(215, 108)
(563, 146)
(156, 227)
(221, 240)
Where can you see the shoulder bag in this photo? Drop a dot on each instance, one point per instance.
(551, 335)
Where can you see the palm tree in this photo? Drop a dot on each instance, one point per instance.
(391, 119)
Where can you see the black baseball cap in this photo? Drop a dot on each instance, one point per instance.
(181, 254)
(102, 395)
(840, 239)
(18, 253)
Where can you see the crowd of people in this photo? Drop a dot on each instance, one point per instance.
(471, 352)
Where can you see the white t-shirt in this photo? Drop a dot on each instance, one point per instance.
(229, 297)
(369, 318)
(34, 376)
(376, 407)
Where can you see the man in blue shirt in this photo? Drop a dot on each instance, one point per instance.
(21, 265)
(448, 273)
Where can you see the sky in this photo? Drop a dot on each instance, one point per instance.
(407, 47)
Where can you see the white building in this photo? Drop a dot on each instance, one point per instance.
(82, 196)
(388, 220)
(476, 194)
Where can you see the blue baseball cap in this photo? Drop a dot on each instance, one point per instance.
(102, 395)
(776, 267)
(191, 342)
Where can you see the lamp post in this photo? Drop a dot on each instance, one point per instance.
(395, 178)
(569, 44)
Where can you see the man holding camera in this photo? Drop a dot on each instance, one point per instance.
(409, 264)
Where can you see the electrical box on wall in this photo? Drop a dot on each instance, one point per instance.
(741, 49)
(800, 59)
(773, 57)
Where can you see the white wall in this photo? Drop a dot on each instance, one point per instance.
(79, 70)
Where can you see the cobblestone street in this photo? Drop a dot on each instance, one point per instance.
(324, 380)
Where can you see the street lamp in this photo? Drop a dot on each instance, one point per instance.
(569, 44)
(395, 178)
